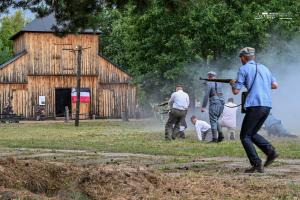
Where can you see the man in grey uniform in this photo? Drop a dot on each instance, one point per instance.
(214, 94)
(179, 103)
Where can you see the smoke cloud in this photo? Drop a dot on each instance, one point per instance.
(284, 62)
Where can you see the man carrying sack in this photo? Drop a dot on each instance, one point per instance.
(259, 81)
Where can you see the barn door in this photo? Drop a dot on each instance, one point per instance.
(19, 102)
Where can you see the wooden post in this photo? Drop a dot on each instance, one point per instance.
(126, 111)
(67, 117)
(79, 51)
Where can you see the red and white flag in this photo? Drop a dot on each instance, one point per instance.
(84, 95)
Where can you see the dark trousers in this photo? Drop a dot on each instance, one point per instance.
(253, 121)
(176, 117)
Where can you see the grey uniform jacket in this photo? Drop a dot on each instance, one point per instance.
(213, 93)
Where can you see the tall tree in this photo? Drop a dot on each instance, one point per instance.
(9, 26)
(80, 14)
(163, 46)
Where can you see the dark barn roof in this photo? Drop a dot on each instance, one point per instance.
(44, 25)
(14, 58)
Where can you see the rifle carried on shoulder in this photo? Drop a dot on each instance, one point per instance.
(243, 96)
(216, 80)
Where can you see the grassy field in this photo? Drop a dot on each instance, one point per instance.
(145, 137)
(39, 157)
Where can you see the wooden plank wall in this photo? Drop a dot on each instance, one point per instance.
(16, 71)
(108, 101)
(17, 91)
(19, 102)
(47, 56)
(19, 44)
(109, 73)
(114, 97)
(46, 85)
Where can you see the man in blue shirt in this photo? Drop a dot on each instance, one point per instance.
(259, 81)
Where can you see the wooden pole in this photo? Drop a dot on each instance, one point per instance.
(67, 117)
(79, 51)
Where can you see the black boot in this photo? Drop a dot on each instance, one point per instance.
(213, 141)
(214, 133)
(220, 137)
(271, 157)
(253, 169)
(181, 135)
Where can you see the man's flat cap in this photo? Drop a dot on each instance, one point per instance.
(211, 73)
(247, 51)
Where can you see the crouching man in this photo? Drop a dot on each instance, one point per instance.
(202, 128)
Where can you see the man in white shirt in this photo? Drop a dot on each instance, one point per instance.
(228, 118)
(202, 128)
(179, 103)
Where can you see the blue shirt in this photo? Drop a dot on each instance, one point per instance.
(260, 94)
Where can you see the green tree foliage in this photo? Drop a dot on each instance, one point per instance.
(5, 53)
(164, 46)
(9, 26)
(164, 42)
(81, 14)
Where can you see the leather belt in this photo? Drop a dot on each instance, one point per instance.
(217, 94)
(179, 109)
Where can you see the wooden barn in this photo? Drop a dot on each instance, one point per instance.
(43, 73)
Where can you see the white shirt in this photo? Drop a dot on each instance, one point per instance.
(228, 118)
(200, 127)
(179, 100)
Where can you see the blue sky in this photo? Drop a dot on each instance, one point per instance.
(27, 13)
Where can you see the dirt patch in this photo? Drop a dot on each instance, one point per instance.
(34, 176)
(63, 181)
(33, 179)
(122, 182)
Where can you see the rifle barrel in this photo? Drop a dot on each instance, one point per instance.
(216, 80)
(163, 103)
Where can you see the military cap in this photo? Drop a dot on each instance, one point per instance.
(211, 73)
(247, 51)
